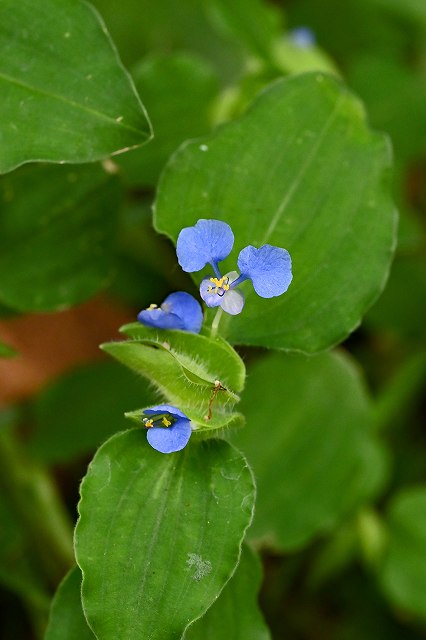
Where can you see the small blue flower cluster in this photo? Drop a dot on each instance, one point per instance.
(209, 242)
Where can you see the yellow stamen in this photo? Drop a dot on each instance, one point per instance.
(166, 422)
(152, 306)
(149, 423)
(220, 283)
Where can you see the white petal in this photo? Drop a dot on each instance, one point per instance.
(232, 302)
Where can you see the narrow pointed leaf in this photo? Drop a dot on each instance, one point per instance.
(65, 95)
(300, 170)
(155, 546)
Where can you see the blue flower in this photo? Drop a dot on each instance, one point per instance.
(168, 429)
(179, 310)
(210, 241)
(303, 37)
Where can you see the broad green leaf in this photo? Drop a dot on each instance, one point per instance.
(65, 428)
(254, 23)
(65, 95)
(235, 615)
(6, 351)
(178, 91)
(209, 358)
(193, 395)
(308, 439)
(57, 229)
(403, 572)
(66, 620)
(159, 535)
(300, 170)
(172, 25)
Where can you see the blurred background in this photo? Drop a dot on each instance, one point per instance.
(360, 573)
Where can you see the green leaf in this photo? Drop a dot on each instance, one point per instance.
(65, 95)
(66, 620)
(300, 170)
(159, 535)
(375, 79)
(6, 351)
(178, 90)
(309, 441)
(57, 229)
(65, 428)
(180, 386)
(253, 23)
(403, 572)
(209, 358)
(235, 615)
(401, 309)
(172, 25)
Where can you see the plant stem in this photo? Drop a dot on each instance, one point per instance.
(34, 499)
(215, 323)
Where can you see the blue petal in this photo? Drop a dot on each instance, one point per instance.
(165, 408)
(303, 37)
(170, 439)
(187, 308)
(160, 319)
(269, 268)
(209, 241)
(211, 299)
(179, 310)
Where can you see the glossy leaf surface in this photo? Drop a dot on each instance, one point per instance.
(159, 535)
(65, 95)
(300, 170)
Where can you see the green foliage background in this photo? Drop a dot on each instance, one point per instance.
(299, 510)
